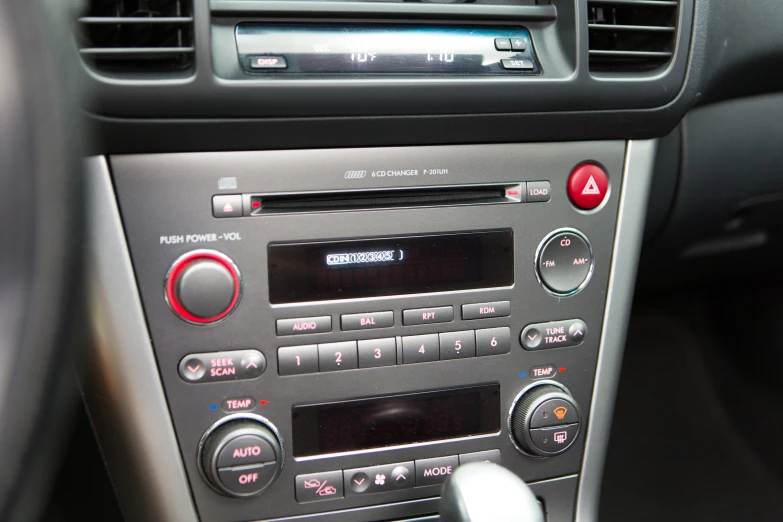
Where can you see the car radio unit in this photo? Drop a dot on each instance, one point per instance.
(338, 330)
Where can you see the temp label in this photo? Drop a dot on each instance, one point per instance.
(199, 238)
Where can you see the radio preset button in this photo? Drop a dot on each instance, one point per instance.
(296, 360)
(486, 310)
(430, 472)
(420, 348)
(222, 366)
(440, 314)
(565, 263)
(367, 321)
(333, 357)
(457, 345)
(493, 341)
(304, 325)
(377, 352)
(319, 486)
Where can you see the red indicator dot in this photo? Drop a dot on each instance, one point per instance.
(512, 192)
(263, 403)
(256, 204)
(562, 370)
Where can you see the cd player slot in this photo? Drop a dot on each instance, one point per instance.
(260, 204)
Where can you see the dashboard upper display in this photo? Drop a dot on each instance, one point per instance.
(395, 420)
(302, 272)
(383, 49)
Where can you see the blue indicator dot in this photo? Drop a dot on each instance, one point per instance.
(523, 374)
(213, 407)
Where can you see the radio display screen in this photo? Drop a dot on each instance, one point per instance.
(303, 272)
(395, 420)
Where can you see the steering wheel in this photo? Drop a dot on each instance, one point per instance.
(40, 228)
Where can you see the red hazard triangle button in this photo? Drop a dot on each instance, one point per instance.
(587, 186)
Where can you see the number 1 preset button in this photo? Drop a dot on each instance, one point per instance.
(333, 357)
(420, 348)
(377, 352)
(296, 360)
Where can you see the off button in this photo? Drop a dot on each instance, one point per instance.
(565, 262)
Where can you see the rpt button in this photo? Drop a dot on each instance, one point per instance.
(440, 314)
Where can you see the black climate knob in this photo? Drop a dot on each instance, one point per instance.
(241, 458)
(545, 421)
(203, 287)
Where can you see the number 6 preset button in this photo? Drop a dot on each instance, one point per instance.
(296, 360)
(333, 357)
(493, 341)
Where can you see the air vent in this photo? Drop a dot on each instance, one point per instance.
(631, 35)
(138, 36)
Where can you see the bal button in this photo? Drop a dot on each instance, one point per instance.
(587, 186)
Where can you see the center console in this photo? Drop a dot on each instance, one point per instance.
(337, 330)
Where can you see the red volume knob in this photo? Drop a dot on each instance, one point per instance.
(203, 287)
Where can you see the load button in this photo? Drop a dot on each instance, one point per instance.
(431, 472)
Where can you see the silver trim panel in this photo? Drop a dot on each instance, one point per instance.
(637, 177)
(122, 388)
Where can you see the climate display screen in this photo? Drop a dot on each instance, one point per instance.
(302, 272)
(395, 420)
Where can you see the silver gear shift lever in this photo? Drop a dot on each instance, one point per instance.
(487, 492)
